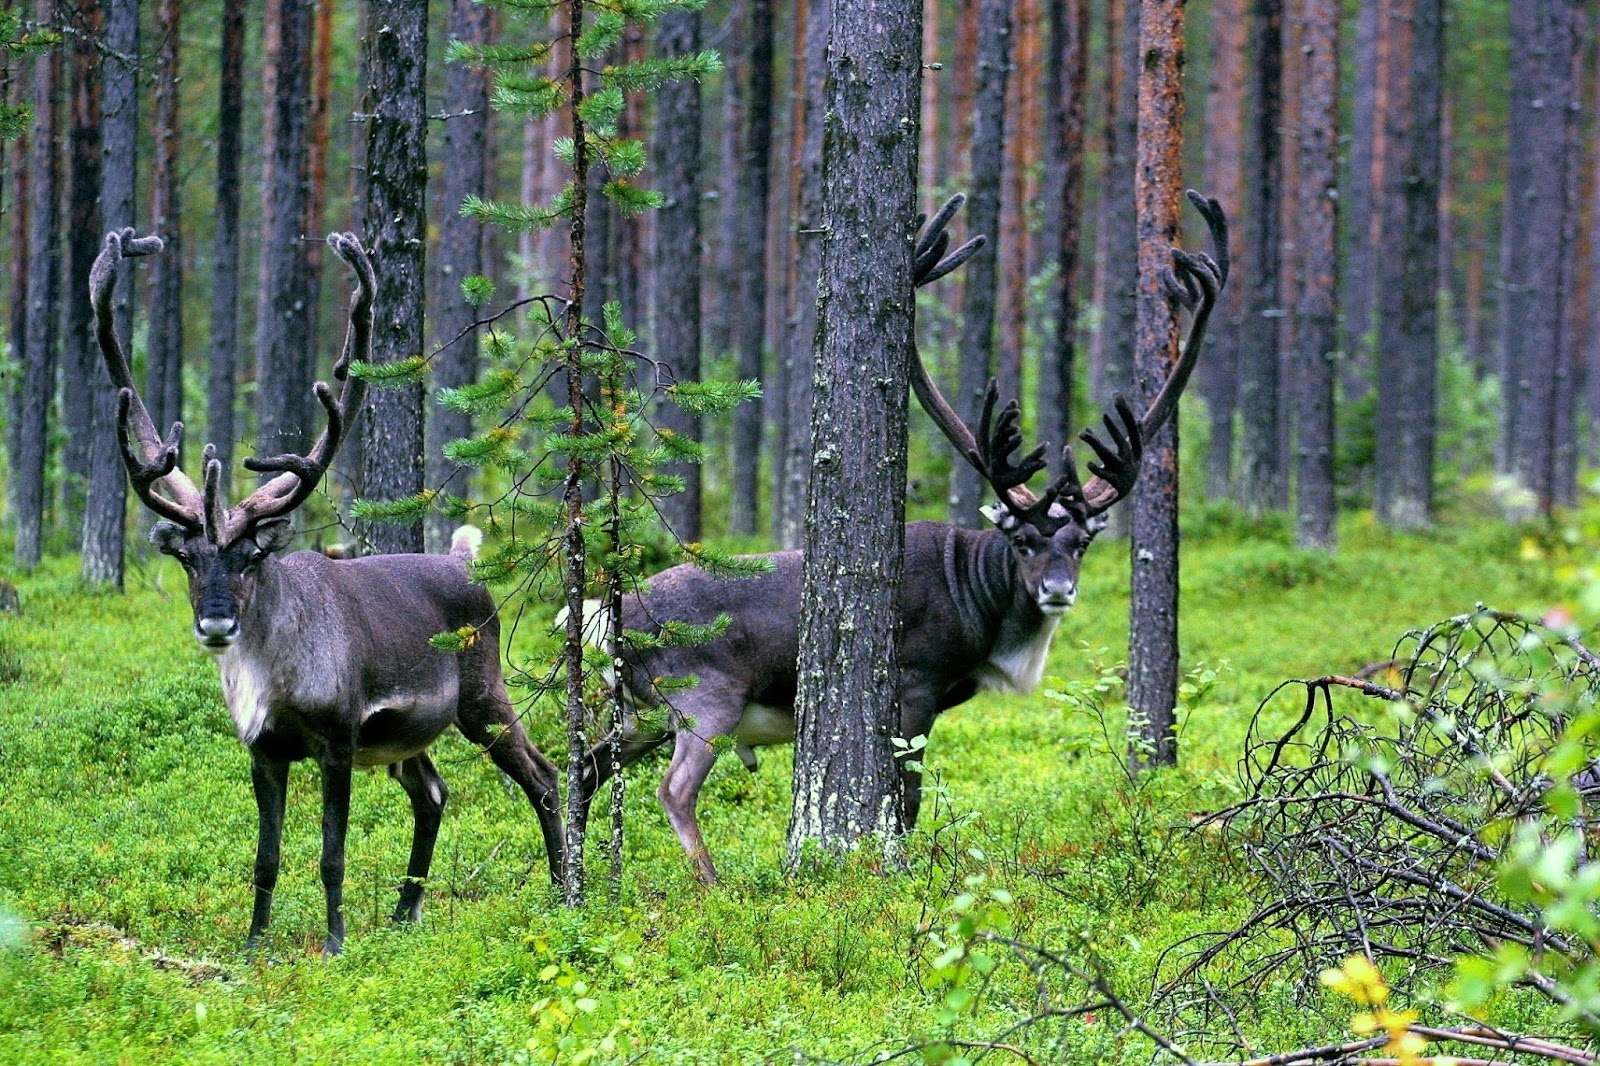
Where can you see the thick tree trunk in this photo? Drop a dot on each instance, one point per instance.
(1261, 484)
(224, 365)
(976, 346)
(466, 147)
(1068, 87)
(676, 256)
(1318, 322)
(751, 234)
(1408, 335)
(80, 356)
(282, 306)
(103, 518)
(1153, 599)
(799, 359)
(44, 293)
(846, 785)
(164, 380)
(395, 220)
(1218, 373)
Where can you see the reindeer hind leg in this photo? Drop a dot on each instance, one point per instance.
(428, 794)
(492, 724)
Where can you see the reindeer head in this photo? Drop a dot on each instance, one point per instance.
(223, 548)
(1050, 534)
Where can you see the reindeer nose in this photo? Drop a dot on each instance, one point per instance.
(216, 631)
(1057, 596)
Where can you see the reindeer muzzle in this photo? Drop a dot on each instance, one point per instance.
(1057, 599)
(216, 634)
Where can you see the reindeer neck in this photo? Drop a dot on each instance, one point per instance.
(987, 588)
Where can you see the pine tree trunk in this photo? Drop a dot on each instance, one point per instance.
(17, 324)
(1408, 334)
(282, 306)
(313, 228)
(976, 345)
(1366, 120)
(466, 147)
(164, 380)
(224, 364)
(786, 241)
(44, 293)
(1217, 375)
(1068, 85)
(846, 787)
(104, 514)
(1014, 269)
(751, 317)
(80, 356)
(395, 220)
(1153, 597)
(799, 358)
(1318, 267)
(676, 256)
(1261, 482)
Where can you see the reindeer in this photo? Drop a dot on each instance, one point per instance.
(976, 609)
(322, 659)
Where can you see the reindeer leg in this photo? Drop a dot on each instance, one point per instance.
(598, 764)
(918, 709)
(493, 725)
(428, 794)
(692, 759)
(270, 777)
(336, 770)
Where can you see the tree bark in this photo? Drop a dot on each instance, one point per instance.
(396, 224)
(846, 787)
(466, 147)
(1068, 88)
(784, 238)
(983, 216)
(44, 294)
(1153, 599)
(105, 510)
(224, 363)
(164, 376)
(1218, 373)
(1015, 267)
(799, 358)
(1363, 220)
(751, 317)
(1408, 334)
(282, 306)
(313, 229)
(676, 256)
(80, 356)
(1316, 516)
(1261, 484)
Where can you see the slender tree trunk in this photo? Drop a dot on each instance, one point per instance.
(1316, 514)
(677, 256)
(846, 785)
(786, 241)
(720, 299)
(466, 146)
(282, 303)
(164, 381)
(80, 356)
(350, 462)
(1218, 372)
(313, 229)
(1014, 268)
(103, 518)
(224, 365)
(983, 216)
(1068, 88)
(1408, 335)
(44, 281)
(799, 362)
(396, 223)
(744, 502)
(1261, 486)
(1153, 618)
(1362, 218)
(17, 325)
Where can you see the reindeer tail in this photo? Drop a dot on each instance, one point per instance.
(465, 542)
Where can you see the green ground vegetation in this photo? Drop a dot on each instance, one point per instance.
(127, 832)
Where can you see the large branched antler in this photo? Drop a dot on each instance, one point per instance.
(152, 460)
(298, 475)
(1194, 282)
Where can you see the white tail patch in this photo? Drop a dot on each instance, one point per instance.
(465, 542)
(594, 623)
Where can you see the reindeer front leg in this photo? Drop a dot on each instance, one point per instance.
(918, 709)
(270, 777)
(336, 771)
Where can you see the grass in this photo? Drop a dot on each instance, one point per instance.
(127, 833)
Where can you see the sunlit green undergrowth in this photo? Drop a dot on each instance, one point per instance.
(127, 832)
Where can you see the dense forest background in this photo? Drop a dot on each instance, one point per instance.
(1413, 212)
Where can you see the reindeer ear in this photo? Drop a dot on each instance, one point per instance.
(274, 534)
(1003, 519)
(168, 537)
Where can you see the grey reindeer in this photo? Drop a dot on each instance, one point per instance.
(322, 659)
(976, 609)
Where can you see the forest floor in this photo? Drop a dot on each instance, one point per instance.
(127, 832)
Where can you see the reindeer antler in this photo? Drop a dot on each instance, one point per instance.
(152, 460)
(298, 475)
